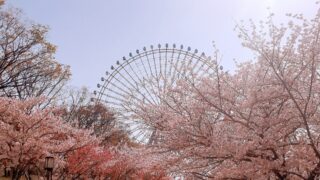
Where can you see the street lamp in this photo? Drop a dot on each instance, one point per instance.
(48, 165)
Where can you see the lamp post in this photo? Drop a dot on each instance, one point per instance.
(48, 165)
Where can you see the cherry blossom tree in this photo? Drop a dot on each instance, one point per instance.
(260, 122)
(88, 162)
(135, 163)
(28, 67)
(28, 134)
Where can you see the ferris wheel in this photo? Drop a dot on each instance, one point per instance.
(144, 77)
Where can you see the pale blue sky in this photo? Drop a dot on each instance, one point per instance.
(92, 35)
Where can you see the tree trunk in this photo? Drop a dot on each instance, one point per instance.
(315, 172)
